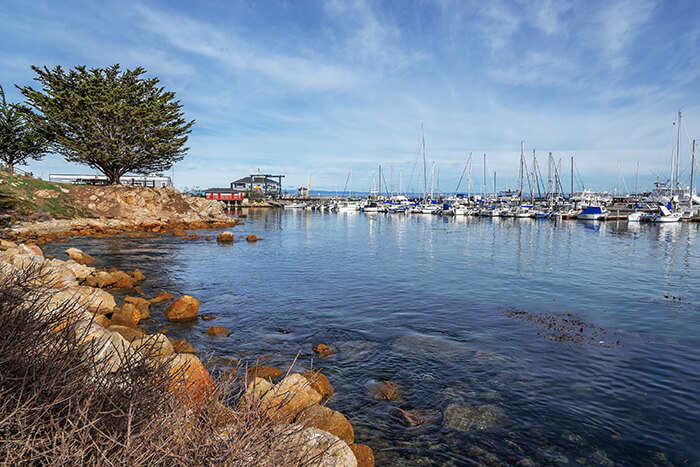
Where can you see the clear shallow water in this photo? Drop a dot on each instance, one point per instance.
(423, 301)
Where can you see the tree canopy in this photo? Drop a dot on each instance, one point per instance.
(19, 140)
(115, 122)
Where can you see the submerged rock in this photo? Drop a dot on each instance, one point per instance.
(218, 331)
(388, 390)
(225, 237)
(425, 345)
(264, 371)
(465, 417)
(323, 349)
(162, 297)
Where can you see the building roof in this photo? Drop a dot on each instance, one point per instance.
(222, 190)
(270, 181)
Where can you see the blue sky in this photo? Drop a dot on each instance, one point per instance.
(319, 88)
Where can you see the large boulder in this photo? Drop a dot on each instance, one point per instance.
(322, 449)
(257, 388)
(191, 381)
(289, 397)
(80, 256)
(109, 350)
(182, 346)
(153, 345)
(183, 309)
(127, 332)
(326, 419)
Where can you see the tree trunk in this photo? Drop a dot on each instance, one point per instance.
(12, 167)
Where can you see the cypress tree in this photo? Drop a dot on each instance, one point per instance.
(19, 140)
(115, 122)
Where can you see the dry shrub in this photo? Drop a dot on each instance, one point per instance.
(56, 408)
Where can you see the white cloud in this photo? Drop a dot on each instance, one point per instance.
(619, 24)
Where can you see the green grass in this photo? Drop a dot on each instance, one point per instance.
(19, 193)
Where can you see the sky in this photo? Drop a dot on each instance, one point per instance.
(328, 89)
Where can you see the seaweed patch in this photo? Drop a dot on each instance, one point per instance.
(565, 327)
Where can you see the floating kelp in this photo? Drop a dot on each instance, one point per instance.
(565, 327)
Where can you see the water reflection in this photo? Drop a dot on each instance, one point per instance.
(420, 299)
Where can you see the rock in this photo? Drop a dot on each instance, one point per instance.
(153, 345)
(182, 346)
(79, 256)
(142, 305)
(319, 383)
(418, 417)
(466, 417)
(162, 297)
(218, 331)
(125, 318)
(289, 397)
(251, 238)
(100, 279)
(257, 388)
(6, 245)
(225, 237)
(128, 333)
(363, 454)
(209, 239)
(191, 381)
(326, 419)
(322, 449)
(110, 350)
(323, 349)
(264, 371)
(179, 233)
(94, 300)
(387, 390)
(183, 309)
(208, 318)
(122, 280)
(34, 249)
(138, 276)
(102, 321)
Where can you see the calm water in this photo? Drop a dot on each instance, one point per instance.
(424, 301)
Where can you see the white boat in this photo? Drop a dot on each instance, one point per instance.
(636, 216)
(373, 207)
(347, 206)
(295, 206)
(593, 213)
(664, 215)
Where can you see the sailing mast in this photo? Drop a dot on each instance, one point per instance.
(692, 172)
(469, 178)
(520, 173)
(534, 177)
(425, 174)
(483, 191)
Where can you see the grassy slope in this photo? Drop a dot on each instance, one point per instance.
(24, 196)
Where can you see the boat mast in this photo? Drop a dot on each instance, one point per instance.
(571, 194)
(636, 183)
(425, 173)
(483, 189)
(432, 182)
(692, 172)
(534, 177)
(678, 153)
(495, 193)
(469, 178)
(520, 173)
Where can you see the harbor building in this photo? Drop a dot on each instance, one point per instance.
(265, 184)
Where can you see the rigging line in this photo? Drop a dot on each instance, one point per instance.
(462, 176)
(418, 152)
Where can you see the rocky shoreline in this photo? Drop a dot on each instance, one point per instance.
(285, 399)
(292, 398)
